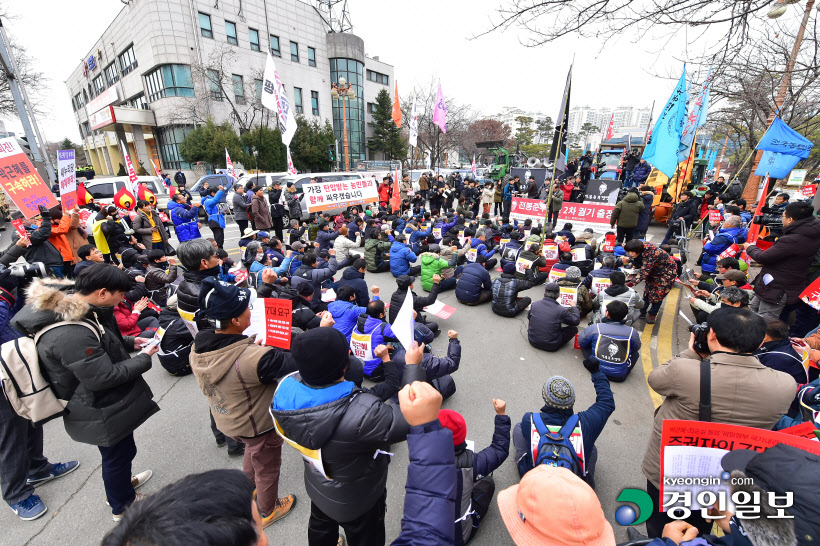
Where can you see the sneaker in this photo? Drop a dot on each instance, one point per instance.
(283, 508)
(140, 479)
(58, 471)
(29, 509)
(650, 319)
(118, 517)
(221, 442)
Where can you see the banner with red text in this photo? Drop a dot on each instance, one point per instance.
(20, 180)
(66, 173)
(341, 194)
(582, 215)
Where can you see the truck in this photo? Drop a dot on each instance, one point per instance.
(503, 161)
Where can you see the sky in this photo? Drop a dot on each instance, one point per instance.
(425, 40)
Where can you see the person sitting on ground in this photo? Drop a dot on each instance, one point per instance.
(239, 377)
(708, 301)
(344, 310)
(377, 252)
(617, 291)
(371, 331)
(574, 280)
(777, 352)
(611, 343)
(477, 247)
(130, 321)
(583, 253)
(509, 250)
(309, 273)
(439, 369)
(162, 271)
(432, 264)
(545, 330)
(476, 486)
(566, 233)
(353, 277)
(558, 414)
(474, 286)
(450, 274)
(506, 302)
(401, 257)
(89, 255)
(419, 303)
(598, 279)
(529, 263)
(343, 246)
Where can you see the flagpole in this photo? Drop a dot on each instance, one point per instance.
(648, 124)
(686, 167)
(557, 155)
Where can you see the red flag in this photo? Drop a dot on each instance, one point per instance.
(610, 131)
(172, 190)
(83, 197)
(396, 107)
(754, 229)
(124, 199)
(144, 193)
(395, 201)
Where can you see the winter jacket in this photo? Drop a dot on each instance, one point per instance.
(345, 314)
(546, 318)
(419, 303)
(787, 261)
(211, 205)
(643, 221)
(384, 192)
(780, 355)
(400, 259)
(184, 218)
(343, 246)
(480, 248)
(443, 227)
(592, 419)
(375, 253)
(58, 237)
(127, 319)
(351, 426)
(610, 364)
(620, 293)
(107, 396)
(733, 191)
(188, 295)
(567, 189)
(355, 279)
(557, 200)
(641, 172)
(41, 250)
(723, 240)
(685, 210)
(292, 200)
(602, 273)
(280, 270)
(324, 237)
(315, 277)
(505, 292)
(744, 392)
(76, 237)
(507, 194)
(156, 278)
(627, 211)
(239, 379)
(277, 204)
(474, 278)
(142, 227)
(530, 262)
(240, 207)
(260, 213)
(431, 265)
(368, 334)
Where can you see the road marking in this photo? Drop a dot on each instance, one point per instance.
(659, 342)
(646, 360)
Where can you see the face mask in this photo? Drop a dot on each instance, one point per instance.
(211, 272)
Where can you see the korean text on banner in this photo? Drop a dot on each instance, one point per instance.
(278, 322)
(344, 193)
(796, 177)
(18, 226)
(68, 178)
(693, 449)
(582, 215)
(20, 180)
(715, 217)
(811, 295)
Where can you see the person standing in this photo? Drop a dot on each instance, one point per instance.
(216, 219)
(554, 204)
(149, 228)
(507, 197)
(260, 210)
(240, 208)
(657, 268)
(423, 186)
(586, 168)
(88, 364)
(184, 217)
(498, 188)
(277, 208)
(179, 178)
(626, 214)
(648, 197)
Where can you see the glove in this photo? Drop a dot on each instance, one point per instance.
(44, 214)
(592, 365)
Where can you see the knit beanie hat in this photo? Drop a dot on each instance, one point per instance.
(321, 354)
(455, 422)
(558, 393)
(573, 272)
(509, 268)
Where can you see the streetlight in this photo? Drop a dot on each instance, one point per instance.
(341, 91)
(750, 191)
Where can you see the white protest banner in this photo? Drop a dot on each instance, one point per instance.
(556, 274)
(341, 194)
(67, 177)
(568, 296)
(600, 283)
(796, 177)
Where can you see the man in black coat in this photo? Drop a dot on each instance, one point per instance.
(419, 303)
(179, 178)
(685, 211)
(88, 364)
(277, 208)
(474, 286)
(546, 317)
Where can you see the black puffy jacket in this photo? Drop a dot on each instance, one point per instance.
(687, 210)
(474, 278)
(546, 317)
(188, 295)
(41, 249)
(419, 303)
(505, 292)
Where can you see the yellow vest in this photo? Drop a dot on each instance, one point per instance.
(99, 237)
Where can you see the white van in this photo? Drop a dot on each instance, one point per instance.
(104, 189)
(259, 179)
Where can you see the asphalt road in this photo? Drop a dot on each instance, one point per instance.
(497, 362)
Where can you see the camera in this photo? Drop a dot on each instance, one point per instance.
(701, 345)
(28, 270)
(769, 220)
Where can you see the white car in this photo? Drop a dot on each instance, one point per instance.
(104, 189)
(261, 179)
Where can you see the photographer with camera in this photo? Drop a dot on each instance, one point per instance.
(716, 379)
(41, 249)
(786, 263)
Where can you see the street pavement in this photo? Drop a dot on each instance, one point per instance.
(497, 362)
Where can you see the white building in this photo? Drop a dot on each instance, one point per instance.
(625, 117)
(163, 66)
(508, 115)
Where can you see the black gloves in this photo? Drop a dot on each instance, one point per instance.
(44, 214)
(592, 365)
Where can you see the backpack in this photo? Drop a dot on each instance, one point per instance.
(28, 391)
(555, 449)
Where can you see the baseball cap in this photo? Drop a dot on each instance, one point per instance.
(262, 235)
(297, 245)
(223, 301)
(552, 505)
(732, 275)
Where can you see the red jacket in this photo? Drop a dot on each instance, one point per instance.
(127, 320)
(567, 189)
(384, 193)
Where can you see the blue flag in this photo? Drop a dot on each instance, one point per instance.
(783, 148)
(662, 149)
(776, 165)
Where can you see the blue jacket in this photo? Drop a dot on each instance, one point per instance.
(479, 245)
(474, 278)
(430, 493)
(184, 218)
(420, 235)
(355, 280)
(646, 213)
(779, 355)
(589, 337)
(723, 240)
(570, 237)
(378, 336)
(295, 262)
(445, 226)
(323, 237)
(345, 314)
(281, 271)
(352, 230)
(7, 333)
(212, 209)
(641, 172)
(507, 193)
(400, 259)
(592, 419)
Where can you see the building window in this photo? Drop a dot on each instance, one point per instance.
(311, 56)
(230, 31)
(353, 72)
(138, 102)
(128, 61)
(99, 84)
(297, 100)
(205, 25)
(378, 77)
(254, 36)
(78, 99)
(257, 89)
(238, 89)
(370, 107)
(294, 52)
(87, 128)
(85, 97)
(91, 91)
(314, 102)
(170, 80)
(274, 46)
(111, 74)
(169, 139)
(214, 89)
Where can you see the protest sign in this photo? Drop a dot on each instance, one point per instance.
(809, 191)
(556, 274)
(602, 191)
(811, 295)
(600, 283)
(715, 217)
(550, 251)
(20, 180)
(271, 321)
(18, 226)
(803, 430)
(340, 194)
(796, 177)
(568, 296)
(440, 309)
(582, 215)
(68, 180)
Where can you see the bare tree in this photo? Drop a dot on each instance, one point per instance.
(483, 130)
(33, 80)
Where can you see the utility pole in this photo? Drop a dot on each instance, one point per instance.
(24, 110)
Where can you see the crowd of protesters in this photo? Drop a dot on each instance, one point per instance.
(117, 292)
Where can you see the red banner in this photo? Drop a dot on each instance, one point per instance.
(811, 295)
(581, 215)
(809, 191)
(715, 217)
(20, 180)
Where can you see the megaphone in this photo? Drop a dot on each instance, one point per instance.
(533, 163)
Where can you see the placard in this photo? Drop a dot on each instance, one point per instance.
(278, 322)
(811, 295)
(18, 226)
(440, 309)
(341, 194)
(66, 171)
(809, 191)
(556, 274)
(796, 177)
(568, 296)
(599, 284)
(715, 217)
(21, 181)
(582, 215)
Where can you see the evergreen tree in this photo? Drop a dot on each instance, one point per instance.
(310, 144)
(387, 137)
(208, 143)
(270, 156)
